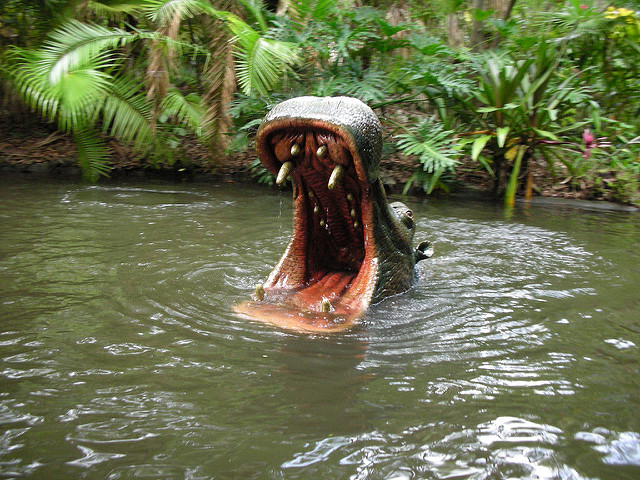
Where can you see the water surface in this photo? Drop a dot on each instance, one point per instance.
(515, 355)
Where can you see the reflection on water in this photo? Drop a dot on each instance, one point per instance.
(515, 355)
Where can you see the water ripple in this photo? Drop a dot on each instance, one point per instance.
(513, 356)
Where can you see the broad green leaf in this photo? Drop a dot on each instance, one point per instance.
(501, 134)
(546, 134)
(486, 163)
(488, 109)
(510, 192)
(478, 144)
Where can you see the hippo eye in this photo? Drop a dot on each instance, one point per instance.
(407, 218)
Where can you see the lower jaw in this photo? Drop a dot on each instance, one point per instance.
(304, 309)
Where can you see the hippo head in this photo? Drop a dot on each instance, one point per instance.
(349, 248)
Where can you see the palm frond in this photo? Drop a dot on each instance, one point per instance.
(76, 44)
(31, 84)
(372, 87)
(164, 11)
(127, 113)
(81, 94)
(93, 154)
(303, 11)
(185, 109)
(73, 99)
(260, 61)
(255, 9)
(115, 8)
(263, 64)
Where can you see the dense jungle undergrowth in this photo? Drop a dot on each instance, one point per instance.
(514, 97)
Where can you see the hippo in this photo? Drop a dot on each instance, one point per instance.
(350, 248)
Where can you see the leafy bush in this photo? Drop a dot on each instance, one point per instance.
(435, 149)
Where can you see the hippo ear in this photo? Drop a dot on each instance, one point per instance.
(423, 251)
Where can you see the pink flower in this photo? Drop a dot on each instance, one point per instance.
(588, 138)
(590, 142)
(583, 6)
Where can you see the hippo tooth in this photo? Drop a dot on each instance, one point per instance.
(316, 209)
(353, 213)
(356, 224)
(350, 197)
(322, 151)
(295, 149)
(336, 176)
(322, 223)
(284, 172)
(326, 305)
(258, 294)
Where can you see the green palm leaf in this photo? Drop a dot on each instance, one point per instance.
(93, 154)
(260, 61)
(127, 113)
(164, 11)
(185, 109)
(263, 63)
(76, 44)
(115, 8)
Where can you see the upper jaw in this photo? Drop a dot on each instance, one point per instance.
(347, 118)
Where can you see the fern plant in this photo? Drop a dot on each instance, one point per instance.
(435, 149)
(69, 80)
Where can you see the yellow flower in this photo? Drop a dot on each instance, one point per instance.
(612, 12)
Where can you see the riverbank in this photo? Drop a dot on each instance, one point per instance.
(32, 147)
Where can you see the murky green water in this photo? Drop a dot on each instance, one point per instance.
(516, 356)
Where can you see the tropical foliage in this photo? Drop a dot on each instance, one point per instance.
(519, 87)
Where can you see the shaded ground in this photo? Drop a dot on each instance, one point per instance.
(32, 147)
(36, 147)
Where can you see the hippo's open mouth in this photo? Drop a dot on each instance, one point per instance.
(348, 247)
(322, 268)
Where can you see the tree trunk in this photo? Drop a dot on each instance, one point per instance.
(477, 28)
(221, 84)
(454, 34)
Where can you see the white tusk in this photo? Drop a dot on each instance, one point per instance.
(258, 294)
(322, 151)
(295, 149)
(284, 172)
(336, 176)
(326, 305)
